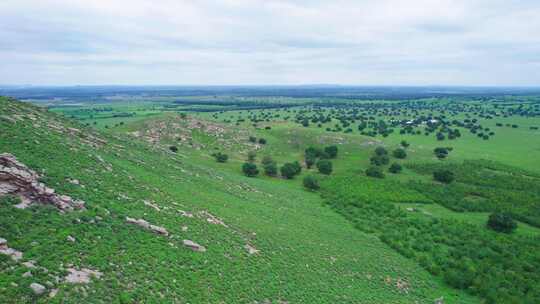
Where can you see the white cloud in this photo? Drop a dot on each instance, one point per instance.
(471, 42)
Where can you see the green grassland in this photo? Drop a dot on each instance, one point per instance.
(355, 241)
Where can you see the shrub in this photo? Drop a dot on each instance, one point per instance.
(443, 176)
(220, 157)
(395, 168)
(311, 182)
(374, 171)
(250, 169)
(399, 153)
(324, 166)
(270, 169)
(310, 160)
(404, 144)
(441, 152)
(251, 156)
(262, 141)
(332, 151)
(252, 139)
(173, 149)
(501, 222)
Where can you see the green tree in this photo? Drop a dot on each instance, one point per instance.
(375, 171)
(250, 169)
(289, 170)
(501, 222)
(324, 166)
(381, 151)
(332, 151)
(395, 168)
(399, 153)
(444, 176)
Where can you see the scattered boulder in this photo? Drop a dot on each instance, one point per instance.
(82, 276)
(439, 300)
(17, 179)
(37, 288)
(4, 249)
(148, 226)
(194, 246)
(71, 239)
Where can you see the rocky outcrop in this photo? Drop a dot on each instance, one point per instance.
(148, 226)
(17, 179)
(82, 276)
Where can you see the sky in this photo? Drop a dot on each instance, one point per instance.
(273, 42)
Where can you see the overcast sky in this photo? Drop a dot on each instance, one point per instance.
(361, 42)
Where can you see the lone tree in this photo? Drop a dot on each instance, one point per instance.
(399, 153)
(501, 222)
(250, 169)
(332, 151)
(444, 176)
(324, 166)
(374, 171)
(311, 182)
(220, 157)
(395, 168)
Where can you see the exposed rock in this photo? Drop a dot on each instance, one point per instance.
(154, 206)
(29, 264)
(439, 300)
(53, 293)
(212, 219)
(27, 274)
(194, 246)
(82, 276)
(37, 288)
(4, 249)
(17, 179)
(147, 225)
(71, 239)
(250, 249)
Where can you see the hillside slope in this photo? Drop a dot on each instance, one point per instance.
(149, 212)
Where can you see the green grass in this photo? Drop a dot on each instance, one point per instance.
(309, 253)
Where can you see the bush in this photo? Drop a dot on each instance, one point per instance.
(262, 141)
(220, 157)
(332, 151)
(324, 166)
(501, 222)
(250, 169)
(399, 153)
(173, 149)
(311, 182)
(443, 176)
(252, 139)
(404, 144)
(441, 152)
(395, 168)
(310, 160)
(375, 171)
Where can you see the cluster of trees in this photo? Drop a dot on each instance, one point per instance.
(498, 267)
(380, 158)
(320, 158)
